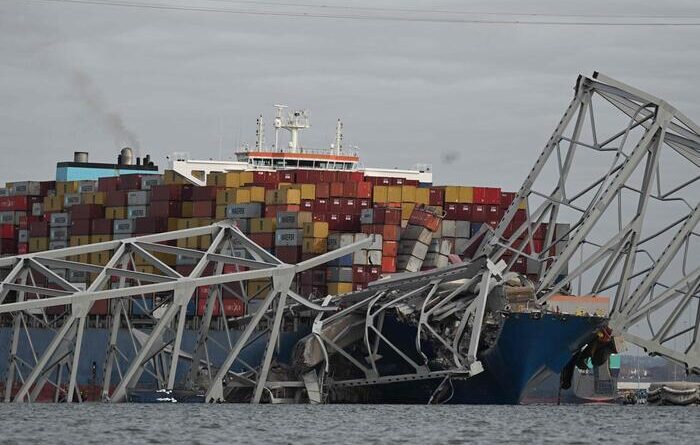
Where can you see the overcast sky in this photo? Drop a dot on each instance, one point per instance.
(477, 101)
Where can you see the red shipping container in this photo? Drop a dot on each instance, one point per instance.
(165, 209)
(8, 246)
(23, 222)
(364, 203)
(413, 182)
(342, 177)
(233, 307)
(479, 213)
(87, 211)
(307, 205)
(39, 229)
(321, 205)
(507, 198)
(349, 206)
(203, 209)
(288, 254)
(334, 222)
(373, 273)
(436, 196)
(388, 264)
(494, 212)
(390, 248)
(286, 176)
(356, 176)
(350, 223)
(150, 225)
(8, 231)
(520, 217)
(323, 190)
(364, 190)
(81, 227)
(487, 195)
(389, 232)
(398, 181)
(22, 248)
(335, 205)
(116, 198)
(271, 211)
(359, 274)
(336, 190)
(166, 192)
(387, 215)
(100, 307)
(130, 182)
(327, 176)
(259, 178)
(452, 212)
(205, 193)
(186, 193)
(202, 306)
(109, 184)
(18, 203)
(102, 226)
(540, 232)
(306, 278)
(46, 186)
(350, 189)
(320, 217)
(464, 212)
(264, 240)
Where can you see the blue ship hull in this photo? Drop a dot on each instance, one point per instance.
(528, 348)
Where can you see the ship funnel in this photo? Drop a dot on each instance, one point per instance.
(80, 156)
(126, 157)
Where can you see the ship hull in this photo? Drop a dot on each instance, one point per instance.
(527, 348)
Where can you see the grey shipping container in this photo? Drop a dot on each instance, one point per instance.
(183, 260)
(138, 198)
(366, 216)
(71, 199)
(53, 245)
(408, 263)
(77, 276)
(137, 211)
(117, 236)
(415, 248)
(59, 234)
(251, 210)
(87, 186)
(59, 220)
(37, 209)
(23, 236)
(149, 181)
(449, 228)
(288, 220)
(462, 229)
(4, 192)
(338, 240)
(242, 224)
(461, 245)
(416, 233)
(9, 217)
(23, 188)
(435, 260)
(288, 237)
(123, 226)
(340, 274)
(359, 257)
(374, 257)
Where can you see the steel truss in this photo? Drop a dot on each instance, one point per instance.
(622, 168)
(446, 297)
(36, 285)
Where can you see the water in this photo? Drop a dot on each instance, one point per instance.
(345, 424)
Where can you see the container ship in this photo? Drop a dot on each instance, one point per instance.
(296, 203)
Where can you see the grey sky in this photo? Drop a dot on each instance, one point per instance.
(484, 97)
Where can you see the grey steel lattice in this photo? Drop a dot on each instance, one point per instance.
(622, 169)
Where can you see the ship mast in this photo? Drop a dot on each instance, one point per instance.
(338, 138)
(293, 122)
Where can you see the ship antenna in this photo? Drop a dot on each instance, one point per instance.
(338, 137)
(278, 124)
(260, 134)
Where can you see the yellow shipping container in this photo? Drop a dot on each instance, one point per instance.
(212, 178)
(145, 268)
(242, 196)
(221, 212)
(393, 193)
(172, 224)
(339, 288)
(314, 245)
(466, 195)
(53, 203)
(79, 240)
(204, 242)
(63, 187)
(38, 244)
(229, 180)
(408, 193)
(115, 212)
(262, 225)
(422, 196)
(308, 191)
(172, 177)
(451, 194)
(94, 198)
(246, 178)
(407, 209)
(318, 229)
(257, 288)
(186, 209)
(379, 194)
(100, 258)
(257, 194)
(100, 238)
(225, 197)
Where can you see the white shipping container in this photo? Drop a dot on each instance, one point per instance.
(53, 245)
(415, 248)
(150, 180)
(251, 210)
(288, 237)
(37, 209)
(71, 199)
(462, 229)
(87, 186)
(123, 226)
(138, 198)
(449, 228)
(25, 188)
(366, 216)
(408, 263)
(374, 257)
(137, 211)
(23, 236)
(417, 233)
(60, 220)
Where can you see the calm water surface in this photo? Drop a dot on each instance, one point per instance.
(346, 424)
